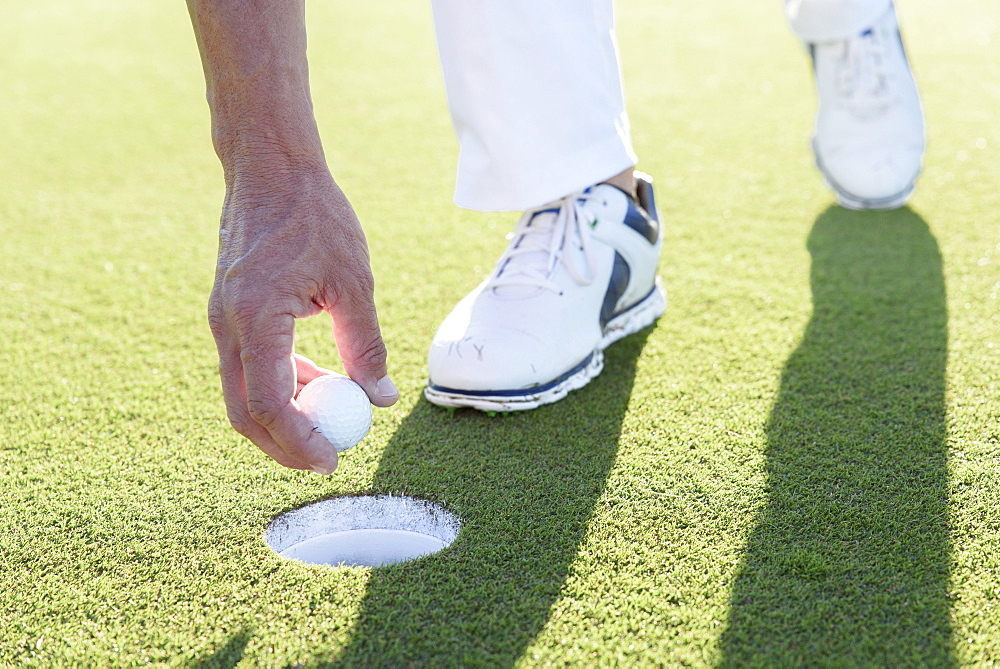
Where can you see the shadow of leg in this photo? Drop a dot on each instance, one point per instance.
(525, 486)
(849, 561)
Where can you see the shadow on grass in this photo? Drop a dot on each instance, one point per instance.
(227, 655)
(849, 561)
(525, 486)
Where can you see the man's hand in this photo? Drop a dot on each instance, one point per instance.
(290, 245)
(288, 250)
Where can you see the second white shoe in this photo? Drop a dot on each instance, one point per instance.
(869, 138)
(578, 275)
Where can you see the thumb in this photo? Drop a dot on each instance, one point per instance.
(359, 340)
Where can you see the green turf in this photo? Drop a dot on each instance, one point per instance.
(795, 466)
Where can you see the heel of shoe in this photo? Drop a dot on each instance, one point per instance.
(642, 314)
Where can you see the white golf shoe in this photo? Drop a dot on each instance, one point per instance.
(869, 138)
(578, 275)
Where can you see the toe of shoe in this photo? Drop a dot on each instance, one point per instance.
(500, 360)
(872, 179)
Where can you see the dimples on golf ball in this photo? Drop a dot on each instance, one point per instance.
(338, 408)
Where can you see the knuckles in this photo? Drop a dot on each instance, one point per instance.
(217, 322)
(353, 289)
(374, 354)
(243, 423)
(264, 411)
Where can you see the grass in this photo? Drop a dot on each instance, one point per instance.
(796, 465)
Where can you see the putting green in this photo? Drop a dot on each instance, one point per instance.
(797, 465)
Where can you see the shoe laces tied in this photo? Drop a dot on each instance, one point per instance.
(862, 72)
(545, 239)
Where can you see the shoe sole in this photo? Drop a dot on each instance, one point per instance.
(641, 315)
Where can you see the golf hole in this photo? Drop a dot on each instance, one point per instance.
(362, 531)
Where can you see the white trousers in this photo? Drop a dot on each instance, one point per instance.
(535, 92)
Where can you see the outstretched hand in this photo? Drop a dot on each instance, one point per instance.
(291, 247)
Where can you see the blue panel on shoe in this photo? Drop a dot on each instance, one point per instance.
(517, 392)
(550, 210)
(620, 274)
(636, 219)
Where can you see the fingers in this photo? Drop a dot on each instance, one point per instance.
(234, 392)
(259, 379)
(305, 371)
(270, 373)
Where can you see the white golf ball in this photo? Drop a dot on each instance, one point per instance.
(338, 408)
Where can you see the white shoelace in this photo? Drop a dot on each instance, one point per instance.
(545, 240)
(862, 74)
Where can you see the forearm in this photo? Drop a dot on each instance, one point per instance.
(254, 56)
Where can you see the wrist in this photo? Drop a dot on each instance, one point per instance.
(272, 136)
(266, 187)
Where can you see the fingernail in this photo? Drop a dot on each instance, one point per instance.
(386, 388)
(324, 470)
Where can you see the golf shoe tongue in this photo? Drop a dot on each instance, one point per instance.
(528, 262)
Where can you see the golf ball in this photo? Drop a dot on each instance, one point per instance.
(338, 408)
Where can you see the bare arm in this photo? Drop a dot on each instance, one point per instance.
(290, 245)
